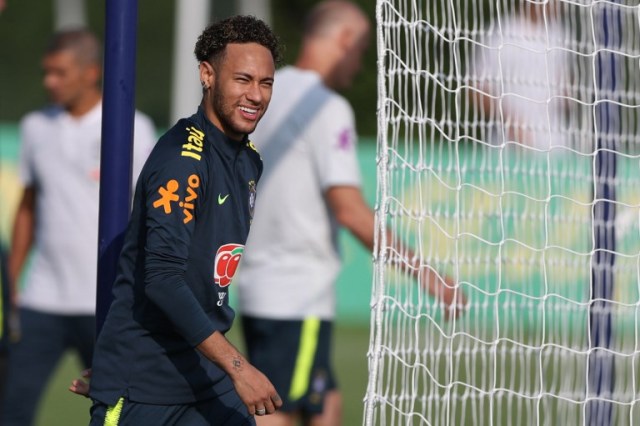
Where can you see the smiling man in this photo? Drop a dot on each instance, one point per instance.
(162, 357)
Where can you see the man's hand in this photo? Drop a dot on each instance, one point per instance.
(79, 386)
(255, 390)
(443, 289)
(253, 387)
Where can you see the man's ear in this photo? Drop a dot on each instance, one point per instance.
(206, 74)
(93, 73)
(346, 37)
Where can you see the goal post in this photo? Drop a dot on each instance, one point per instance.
(509, 159)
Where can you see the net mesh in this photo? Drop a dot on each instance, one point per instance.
(509, 159)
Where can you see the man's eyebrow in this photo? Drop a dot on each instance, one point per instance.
(251, 76)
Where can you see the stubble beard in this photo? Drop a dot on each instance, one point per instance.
(225, 113)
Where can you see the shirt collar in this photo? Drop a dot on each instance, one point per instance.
(94, 114)
(215, 135)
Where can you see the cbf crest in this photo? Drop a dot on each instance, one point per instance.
(252, 198)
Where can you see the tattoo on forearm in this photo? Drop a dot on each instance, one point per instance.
(237, 363)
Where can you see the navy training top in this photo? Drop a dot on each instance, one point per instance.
(191, 214)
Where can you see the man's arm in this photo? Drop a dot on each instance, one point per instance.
(21, 240)
(253, 387)
(352, 212)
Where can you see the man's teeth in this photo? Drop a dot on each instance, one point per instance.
(249, 110)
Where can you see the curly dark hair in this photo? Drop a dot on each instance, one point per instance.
(212, 42)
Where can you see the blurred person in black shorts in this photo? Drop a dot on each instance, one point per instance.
(5, 314)
(54, 237)
(311, 186)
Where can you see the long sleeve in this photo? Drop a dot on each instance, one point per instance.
(174, 197)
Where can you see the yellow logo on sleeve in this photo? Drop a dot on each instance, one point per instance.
(187, 204)
(168, 196)
(195, 142)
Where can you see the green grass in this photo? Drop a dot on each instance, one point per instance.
(59, 406)
(62, 408)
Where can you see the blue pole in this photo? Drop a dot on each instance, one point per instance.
(601, 361)
(117, 143)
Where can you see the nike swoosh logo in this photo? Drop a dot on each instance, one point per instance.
(222, 199)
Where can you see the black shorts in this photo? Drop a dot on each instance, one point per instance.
(4, 305)
(227, 409)
(296, 356)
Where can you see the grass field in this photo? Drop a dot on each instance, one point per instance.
(62, 408)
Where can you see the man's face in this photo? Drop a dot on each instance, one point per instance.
(65, 78)
(242, 88)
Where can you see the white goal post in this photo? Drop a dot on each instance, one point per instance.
(509, 159)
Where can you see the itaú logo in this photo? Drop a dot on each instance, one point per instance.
(226, 263)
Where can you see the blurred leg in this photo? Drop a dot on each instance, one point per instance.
(4, 325)
(31, 361)
(81, 333)
(331, 414)
(332, 411)
(4, 363)
(277, 419)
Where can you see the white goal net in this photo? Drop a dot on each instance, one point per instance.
(509, 159)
